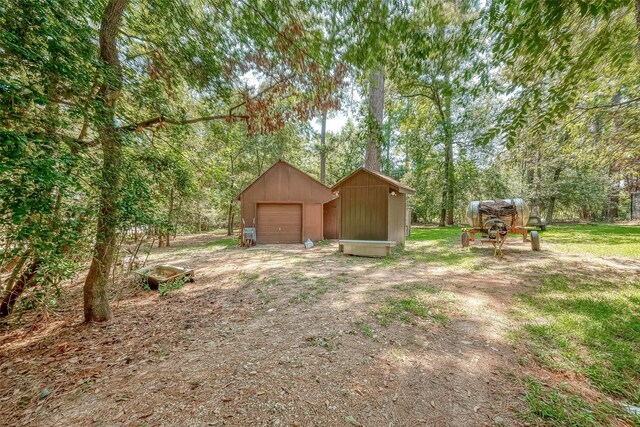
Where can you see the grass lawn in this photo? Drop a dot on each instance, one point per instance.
(581, 327)
(590, 327)
(596, 239)
(439, 246)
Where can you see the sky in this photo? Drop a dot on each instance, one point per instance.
(334, 124)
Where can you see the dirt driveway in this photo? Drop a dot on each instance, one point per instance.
(283, 336)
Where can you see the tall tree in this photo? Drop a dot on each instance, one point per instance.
(323, 147)
(96, 303)
(436, 62)
(375, 119)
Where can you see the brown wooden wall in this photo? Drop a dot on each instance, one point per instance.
(363, 208)
(312, 222)
(331, 212)
(397, 217)
(283, 183)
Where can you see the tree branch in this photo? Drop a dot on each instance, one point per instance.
(618, 104)
(262, 92)
(415, 95)
(163, 119)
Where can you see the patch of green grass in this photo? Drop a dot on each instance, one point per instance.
(596, 239)
(439, 246)
(311, 293)
(83, 388)
(558, 406)
(406, 309)
(434, 233)
(342, 277)
(317, 341)
(248, 277)
(264, 295)
(399, 354)
(588, 326)
(416, 286)
(227, 242)
(297, 276)
(274, 281)
(367, 331)
(165, 288)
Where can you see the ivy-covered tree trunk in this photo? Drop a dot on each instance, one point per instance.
(96, 303)
(375, 120)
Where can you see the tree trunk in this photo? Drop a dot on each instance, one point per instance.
(375, 120)
(443, 211)
(199, 217)
(230, 219)
(15, 266)
(10, 298)
(450, 177)
(170, 217)
(96, 303)
(537, 201)
(323, 153)
(614, 192)
(552, 198)
(638, 20)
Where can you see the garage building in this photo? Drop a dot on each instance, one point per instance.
(286, 205)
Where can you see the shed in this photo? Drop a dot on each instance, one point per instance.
(286, 205)
(370, 206)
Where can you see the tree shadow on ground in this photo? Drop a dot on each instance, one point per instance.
(285, 335)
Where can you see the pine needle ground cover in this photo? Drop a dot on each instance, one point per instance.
(434, 335)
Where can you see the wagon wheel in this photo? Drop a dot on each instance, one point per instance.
(465, 239)
(535, 241)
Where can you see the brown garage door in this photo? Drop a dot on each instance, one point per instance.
(279, 223)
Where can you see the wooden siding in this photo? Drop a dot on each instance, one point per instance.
(331, 212)
(397, 217)
(363, 208)
(283, 183)
(279, 223)
(312, 217)
(368, 210)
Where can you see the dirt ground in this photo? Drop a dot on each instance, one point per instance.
(283, 336)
